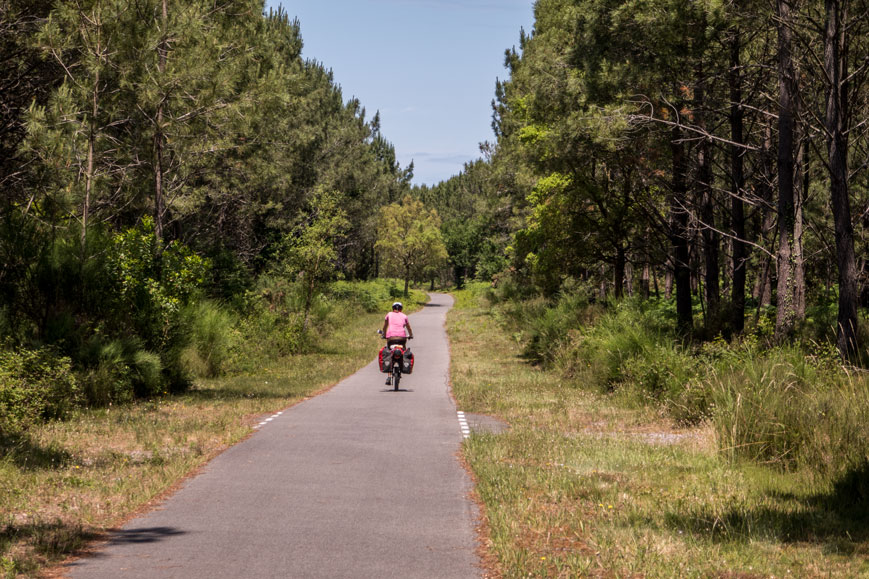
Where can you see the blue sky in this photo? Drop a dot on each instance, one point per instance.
(428, 66)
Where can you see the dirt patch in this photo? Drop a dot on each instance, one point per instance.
(701, 439)
(482, 423)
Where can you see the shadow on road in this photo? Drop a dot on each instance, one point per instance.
(399, 390)
(143, 535)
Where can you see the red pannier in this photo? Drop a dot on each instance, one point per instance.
(384, 361)
(407, 366)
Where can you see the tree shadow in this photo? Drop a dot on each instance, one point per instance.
(26, 454)
(52, 540)
(142, 535)
(838, 520)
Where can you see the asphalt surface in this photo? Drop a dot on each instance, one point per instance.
(359, 482)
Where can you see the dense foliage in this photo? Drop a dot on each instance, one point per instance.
(171, 173)
(715, 153)
(786, 407)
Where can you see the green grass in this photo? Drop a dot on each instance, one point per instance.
(585, 485)
(64, 483)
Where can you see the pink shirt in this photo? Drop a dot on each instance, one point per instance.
(397, 321)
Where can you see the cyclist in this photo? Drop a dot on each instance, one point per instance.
(394, 325)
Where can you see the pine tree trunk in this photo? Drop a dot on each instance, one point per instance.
(629, 279)
(603, 283)
(89, 173)
(835, 66)
(727, 274)
(763, 287)
(711, 240)
(679, 233)
(645, 289)
(799, 268)
(159, 137)
(785, 318)
(711, 248)
(619, 273)
(668, 283)
(737, 187)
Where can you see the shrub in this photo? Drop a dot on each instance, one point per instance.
(472, 294)
(154, 285)
(785, 408)
(211, 336)
(607, 341)
(370, 296)
(507, 287)
(35, 385)
(794, 407)
(107, 383)
(629, 348)
(667, 375)
(548, 329)
(116, 371)
(150, 374)
(367, 301)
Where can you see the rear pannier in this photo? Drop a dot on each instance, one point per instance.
(385, 362)
(407, 366)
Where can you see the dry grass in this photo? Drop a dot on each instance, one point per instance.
(583, 487)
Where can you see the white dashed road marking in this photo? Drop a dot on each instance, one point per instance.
(463, 423)
(269, 419)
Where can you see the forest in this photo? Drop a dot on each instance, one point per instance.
(672, 214)
(713, 152)
(692, 172)
(168, 169)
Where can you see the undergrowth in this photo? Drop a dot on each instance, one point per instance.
(792, 406)
(209, 339)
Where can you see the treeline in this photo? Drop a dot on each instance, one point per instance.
(714, 151)
(158, 156)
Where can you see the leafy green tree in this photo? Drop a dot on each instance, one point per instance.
(154, 282)
(310, 251)
(473, 210)
(153, 288)
(409, 240)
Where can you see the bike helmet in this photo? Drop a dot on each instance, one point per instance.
(397, 306)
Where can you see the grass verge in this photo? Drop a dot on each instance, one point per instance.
(583, 487)
(65, 483)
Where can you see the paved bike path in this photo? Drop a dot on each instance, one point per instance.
(358, 482)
